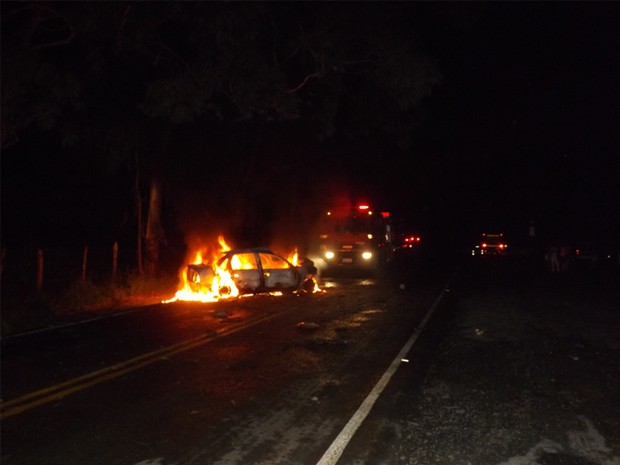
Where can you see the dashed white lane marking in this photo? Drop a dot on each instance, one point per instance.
(335, 450)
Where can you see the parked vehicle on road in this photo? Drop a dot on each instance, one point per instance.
(491, 244)
(407, 242)
(354, 238)
(588, 255)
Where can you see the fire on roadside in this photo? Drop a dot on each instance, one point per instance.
(222, 285)
(222, 279)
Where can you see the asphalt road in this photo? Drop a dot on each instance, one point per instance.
(255, 380)
(525, 371)
(503, 364)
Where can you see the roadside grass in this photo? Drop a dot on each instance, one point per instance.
(82, 299)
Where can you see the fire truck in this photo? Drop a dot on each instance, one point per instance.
(354, 237)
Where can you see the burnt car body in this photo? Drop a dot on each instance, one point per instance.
(256, 270)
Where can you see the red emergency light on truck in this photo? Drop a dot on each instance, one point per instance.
(355, 237)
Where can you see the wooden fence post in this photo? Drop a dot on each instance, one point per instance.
(84, 263)
(39, 270)
(3, 260)
(114, 260)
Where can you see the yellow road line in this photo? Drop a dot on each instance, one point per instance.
(58, 391)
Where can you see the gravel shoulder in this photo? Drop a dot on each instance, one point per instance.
(528, 374)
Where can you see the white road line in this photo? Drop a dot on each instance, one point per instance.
(335, 450)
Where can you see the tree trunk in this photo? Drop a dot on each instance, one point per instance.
(114, 260)
(39, 270)
(139, 219)
(154, 235)
(84, 264)
(154, 230)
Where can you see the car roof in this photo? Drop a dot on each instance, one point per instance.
(249, 250)
(198, 266)
(234, 252)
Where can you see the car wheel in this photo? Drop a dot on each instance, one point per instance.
(309, 285)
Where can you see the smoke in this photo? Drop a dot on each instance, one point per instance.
(295, 225)
(284, 217)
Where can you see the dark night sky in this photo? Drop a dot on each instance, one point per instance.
(529, 113)
(524, 126)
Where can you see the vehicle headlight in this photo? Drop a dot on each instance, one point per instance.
(329, 254)
(367, 255)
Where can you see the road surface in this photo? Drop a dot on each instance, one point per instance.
(425, 364)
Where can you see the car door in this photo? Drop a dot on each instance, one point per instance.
(245, 272)
(278, 274)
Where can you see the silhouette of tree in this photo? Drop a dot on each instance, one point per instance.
(129, 76)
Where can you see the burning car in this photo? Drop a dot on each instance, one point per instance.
(251, 271)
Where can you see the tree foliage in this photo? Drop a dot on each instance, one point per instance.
(121, 81)
(36, 92)
(323, 64)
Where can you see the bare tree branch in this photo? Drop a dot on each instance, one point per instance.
(122, 26)
(12, 141)
(275, 40)
(56, 43)
(317, 74)
(52, 14)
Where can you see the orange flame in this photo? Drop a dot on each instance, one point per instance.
(222, 285)
(293, 257)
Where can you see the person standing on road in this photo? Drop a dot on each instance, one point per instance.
(564, 258)
(554, 257)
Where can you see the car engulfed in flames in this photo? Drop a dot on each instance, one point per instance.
(239, 272)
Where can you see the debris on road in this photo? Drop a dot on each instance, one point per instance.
(308, 325)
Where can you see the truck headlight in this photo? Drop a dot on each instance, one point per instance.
(329, 254)
(367, 255)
